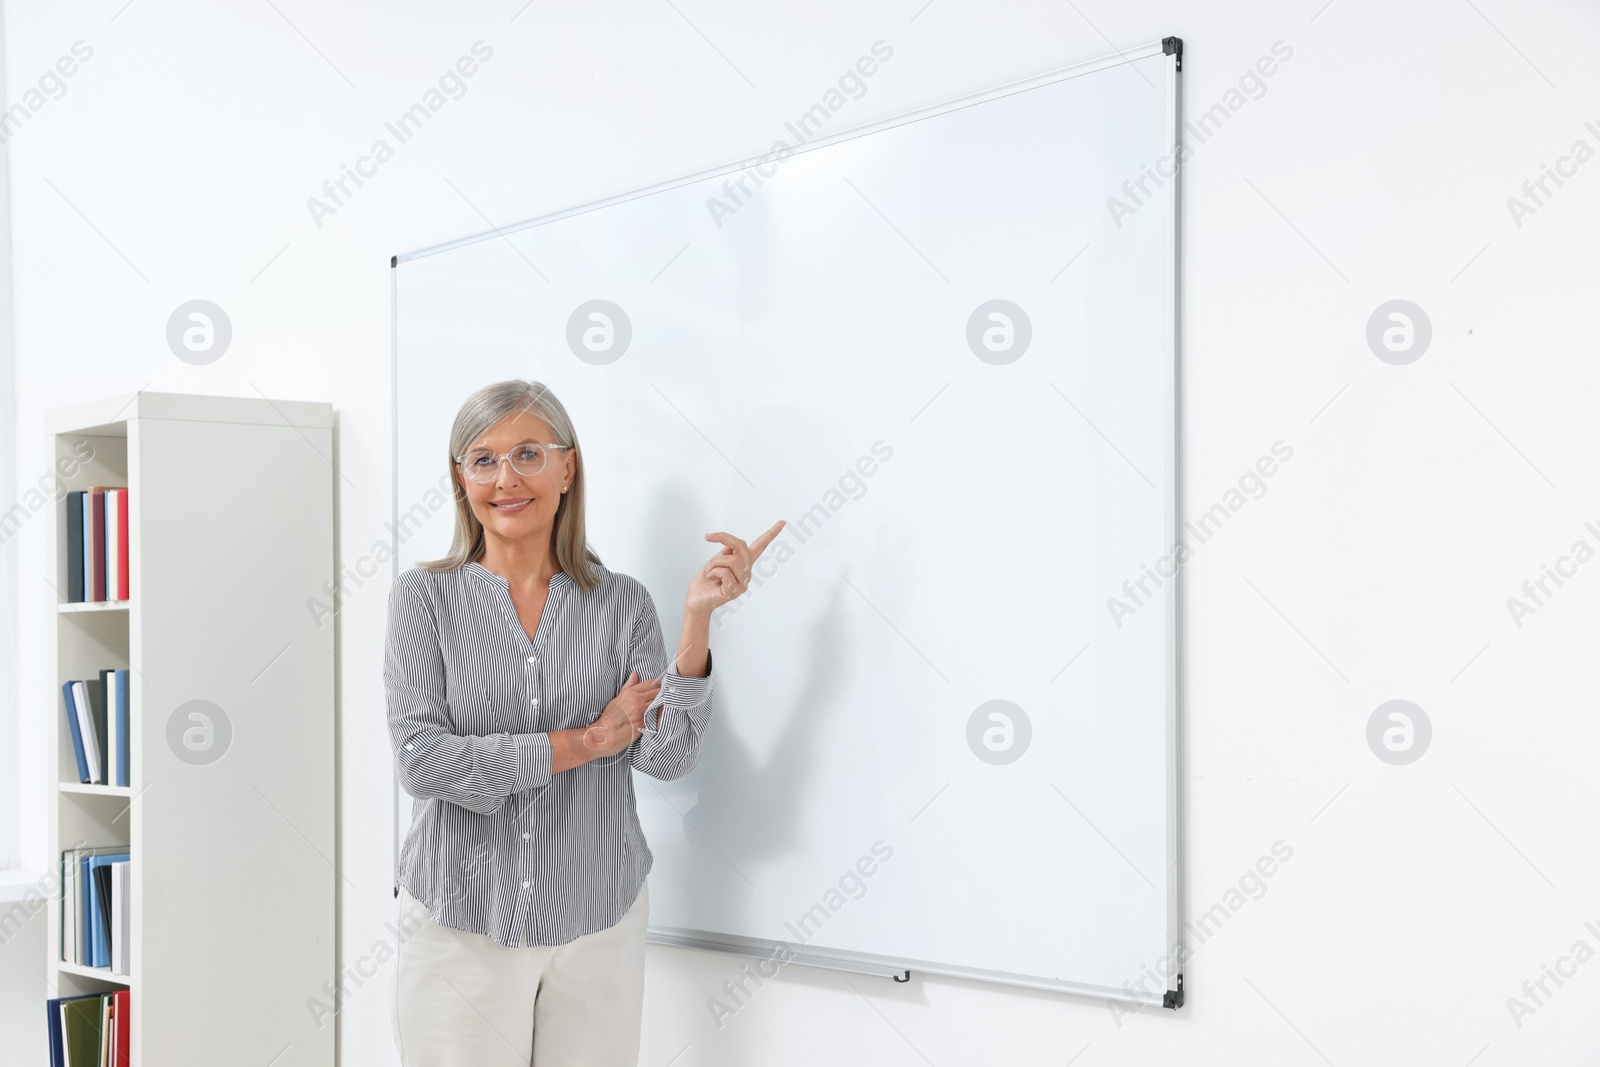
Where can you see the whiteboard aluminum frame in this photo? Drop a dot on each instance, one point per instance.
(1176, 946)
(866, 962)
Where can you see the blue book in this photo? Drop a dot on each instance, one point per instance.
(77, 734)
(99, 938)
(88, 546)
(52, 1018)
(123, 747)
(85, 923)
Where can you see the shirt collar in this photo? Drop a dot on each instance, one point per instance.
(558, 580)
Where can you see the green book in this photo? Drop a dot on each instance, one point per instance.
(81, 1021)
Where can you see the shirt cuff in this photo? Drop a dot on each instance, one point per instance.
(681, 690)
(533, 761)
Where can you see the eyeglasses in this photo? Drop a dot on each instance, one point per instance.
(482, 465)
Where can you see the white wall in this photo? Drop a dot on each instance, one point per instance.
(8, 542)
(1376, 565)
(22, 976)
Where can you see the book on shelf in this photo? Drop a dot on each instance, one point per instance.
(114, 690)
(90, 1030)
(121, 916)
(97, 544)
(95, 907)
(97, 717)
(100, 893)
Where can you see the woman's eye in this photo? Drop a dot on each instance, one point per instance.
(528, 453)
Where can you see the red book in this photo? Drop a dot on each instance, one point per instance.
(120, 1035)
(97, 542)
(122, 545)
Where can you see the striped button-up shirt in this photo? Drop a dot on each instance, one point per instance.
(499, 845)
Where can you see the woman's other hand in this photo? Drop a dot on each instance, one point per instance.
(621, 720)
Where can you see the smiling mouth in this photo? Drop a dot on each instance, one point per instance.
(511, 506)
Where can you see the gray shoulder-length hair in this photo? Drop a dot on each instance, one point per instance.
(481, 411)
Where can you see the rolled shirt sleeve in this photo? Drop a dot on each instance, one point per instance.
(477, 773)
(675, 722)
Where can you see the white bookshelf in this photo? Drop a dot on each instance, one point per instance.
(233, 884)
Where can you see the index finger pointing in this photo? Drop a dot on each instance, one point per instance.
(759, 545)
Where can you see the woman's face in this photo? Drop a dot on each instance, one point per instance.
(516, 506)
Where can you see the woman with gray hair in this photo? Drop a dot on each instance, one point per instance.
(525, 681)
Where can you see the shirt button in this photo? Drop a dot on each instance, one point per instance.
(535, 701)
(524, 837)
(410, 747)
(533, 659)
(524, 885)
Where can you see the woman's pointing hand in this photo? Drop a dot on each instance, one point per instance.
(726, 575)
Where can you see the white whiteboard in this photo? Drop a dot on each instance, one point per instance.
(959, 516)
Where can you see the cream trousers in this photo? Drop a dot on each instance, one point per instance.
(462, 1000)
